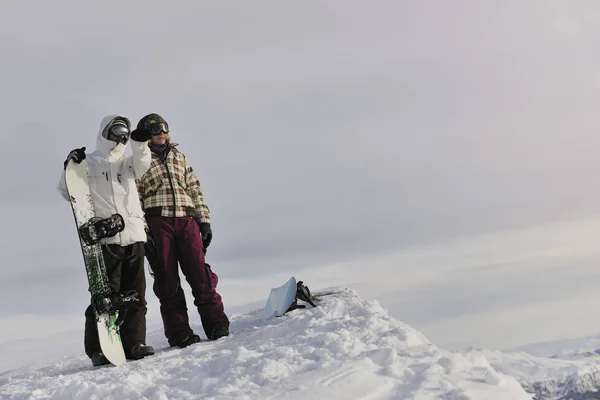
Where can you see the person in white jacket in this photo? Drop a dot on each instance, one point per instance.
(113, 190)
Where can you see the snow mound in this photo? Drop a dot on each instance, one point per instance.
(567, 376)
(346, 348)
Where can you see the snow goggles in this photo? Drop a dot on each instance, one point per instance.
(117, 133)
(157, 128)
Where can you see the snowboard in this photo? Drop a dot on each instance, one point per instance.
(285, 298)
(280, 300)
(90, 230)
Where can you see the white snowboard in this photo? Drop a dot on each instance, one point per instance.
(83, 210)
(280, 299)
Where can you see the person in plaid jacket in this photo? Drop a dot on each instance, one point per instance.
(179, 232)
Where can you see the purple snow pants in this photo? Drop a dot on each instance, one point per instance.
(178, 240)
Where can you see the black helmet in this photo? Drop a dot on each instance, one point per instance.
(153, 123)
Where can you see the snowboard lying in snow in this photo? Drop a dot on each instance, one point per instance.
(285, 298)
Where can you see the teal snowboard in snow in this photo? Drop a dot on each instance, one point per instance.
(280, 299)
(285, 298)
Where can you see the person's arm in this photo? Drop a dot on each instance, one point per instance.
(202, 216)
(195, 192)
(141, 158)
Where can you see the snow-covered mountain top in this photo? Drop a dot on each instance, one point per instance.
(565, 348)
(572, 377)
(346, 348)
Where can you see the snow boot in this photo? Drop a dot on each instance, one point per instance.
(219, 332)
(189, 340)
(138, 351)
(99, 359)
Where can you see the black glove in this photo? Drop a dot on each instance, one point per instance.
(77, 155)
(150, 248)
(205, 232)
(140, 135)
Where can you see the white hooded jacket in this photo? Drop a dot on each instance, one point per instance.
(113, 189)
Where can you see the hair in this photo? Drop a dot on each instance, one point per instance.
(166, 136)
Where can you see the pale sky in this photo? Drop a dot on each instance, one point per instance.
(322, 132)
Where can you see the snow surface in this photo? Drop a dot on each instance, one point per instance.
(559, 370)
(346, 348)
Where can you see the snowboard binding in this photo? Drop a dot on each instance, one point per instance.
(302, 293)
(97, 229)
(116, 302)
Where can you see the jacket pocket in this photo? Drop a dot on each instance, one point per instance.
(213, 279)
(99, 182)
(150, 190)
(177, 167)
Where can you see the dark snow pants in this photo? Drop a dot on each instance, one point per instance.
(178, 240)
(125, 270)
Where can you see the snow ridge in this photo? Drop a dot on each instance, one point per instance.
(346, 347)
(566, 377)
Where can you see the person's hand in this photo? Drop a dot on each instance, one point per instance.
(140, 135)
(150, 247)
(77, 155)
(205, 232)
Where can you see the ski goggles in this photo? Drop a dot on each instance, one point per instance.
(158, 128)
(117, 133)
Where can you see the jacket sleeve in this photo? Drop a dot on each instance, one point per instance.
(139, 183)
(195, 193)
(141, 158)
(62, 186)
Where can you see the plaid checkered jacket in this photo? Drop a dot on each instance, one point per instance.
(172, 187)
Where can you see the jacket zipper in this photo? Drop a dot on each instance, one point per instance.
(172, 191)
(170, 184)
(113, 193)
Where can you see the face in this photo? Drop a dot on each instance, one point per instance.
(159, 132)
(158, 139)
(117, 132)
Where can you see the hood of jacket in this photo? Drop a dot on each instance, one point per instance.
(105, 147)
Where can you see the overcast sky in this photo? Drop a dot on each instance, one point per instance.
(321, 132)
